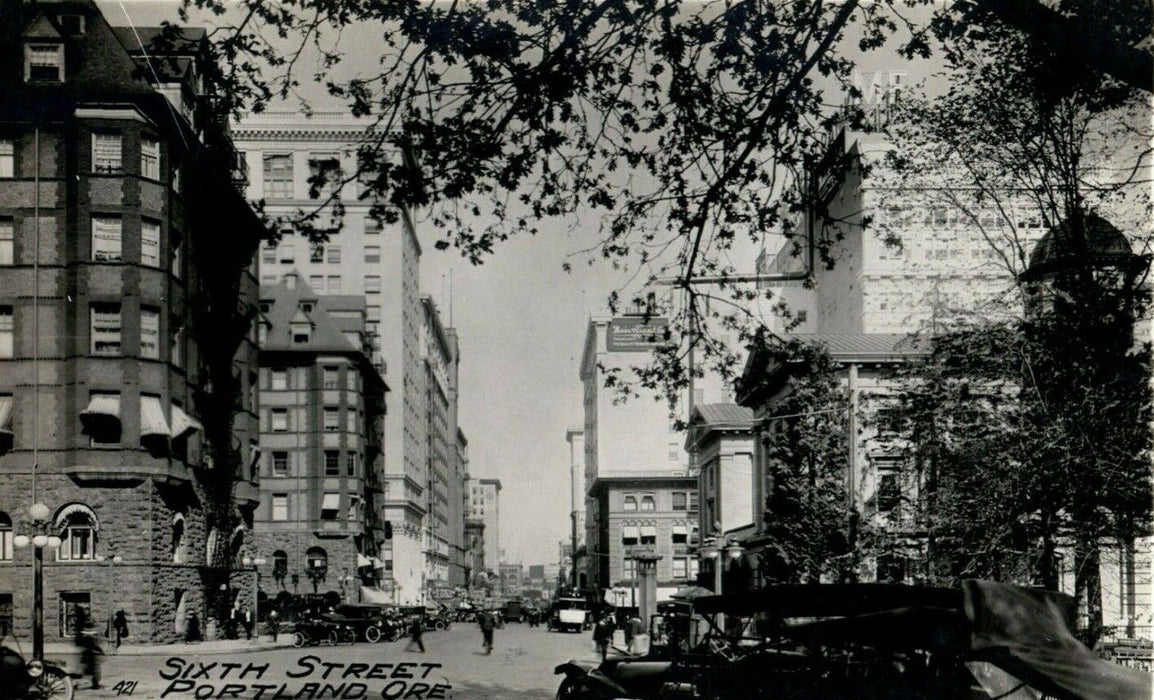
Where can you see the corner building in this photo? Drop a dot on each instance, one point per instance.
(104, 380)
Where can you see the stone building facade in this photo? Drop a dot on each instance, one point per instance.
(318, 527)
(485, 506)
(105, 382)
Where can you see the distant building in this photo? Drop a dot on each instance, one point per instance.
(721, 442)
(461, 566)
(511, 578)
(444, 521)
(318, 526)
(366, 257)
(485, 505)
(651, 512)
(110, 264)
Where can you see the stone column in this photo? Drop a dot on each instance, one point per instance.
(647, 583)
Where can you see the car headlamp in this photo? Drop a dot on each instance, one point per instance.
(35, 668)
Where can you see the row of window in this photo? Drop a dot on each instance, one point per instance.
(107, 242)
(331, 420)
(682, 568)
(279, 461)
(324, 176)
(646, 535)
(106, 332)
(286, 253)
(681, 500)
(107, 156)
(330, 507)
(281, 379)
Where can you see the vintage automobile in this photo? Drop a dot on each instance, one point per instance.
(569, 615)
(317, 630)
(32, 680)
(371, 622)
(986, 640)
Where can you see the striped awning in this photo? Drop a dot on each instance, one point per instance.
(629, 532)
(649, 531)
(183, 424)
(680, 530)
(6, 414)
(152, 421)
(332, 502)
(107, 405)
(363, 561)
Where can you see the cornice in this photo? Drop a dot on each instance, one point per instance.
(299, 133)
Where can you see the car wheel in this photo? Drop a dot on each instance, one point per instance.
(578, 689)
(439, 625)
(299, 639)
(372, 634)
(54, 685)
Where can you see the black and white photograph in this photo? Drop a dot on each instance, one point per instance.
(576, 349)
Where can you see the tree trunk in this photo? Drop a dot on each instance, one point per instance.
(1088, 587)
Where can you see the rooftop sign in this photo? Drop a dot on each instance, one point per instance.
(636, 334)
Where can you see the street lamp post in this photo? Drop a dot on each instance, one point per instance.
(717, 552)
(39, 513)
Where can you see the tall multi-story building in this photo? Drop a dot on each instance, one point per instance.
(113, 355)
(444, 523)
(461, 566)
(577, 574)
(322, 411)
(485, 505)
(651, 511)
(366, 257)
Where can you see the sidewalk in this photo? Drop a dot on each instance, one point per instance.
(70, 653)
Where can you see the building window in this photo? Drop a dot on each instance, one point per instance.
(890, 423)
(150, 243)
(280, 463)
(889, 494)
(268, 253)
(629, 535)
(373, 312)
(331, 506)
(150, 333)
(332, 463)
(278, 379)
(350, 379)
(372, 253)
(680, 567)
(280, 506)
(77, 525)
(5, 537)
(7, 158)
(351, 464)
(7, 332)
(286, 253)
(354, 506)
(334, 255)
(372, 284)
(278, 177)
(680, 501)
(105, 329)
(331, 378)
(372, 226)
(279, 564)
(7, 242)
(301, 332)
(630, 503)
(693, 501)
(316, 559)
(647, 503)
(332, 419)
(280, 420)
(649, 535)
(317, 252)
(101, 418)
(106, 153)
(324, 175)
(44, 63)
(351, 420)
(177, 259)
(317, 283)
(334, 284)
(680, 535)
(74, 607)
(150, 158)
(891, 568)
(106, 238)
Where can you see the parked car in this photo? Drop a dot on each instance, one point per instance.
(34, 679)
(370, 621)
(840, 641)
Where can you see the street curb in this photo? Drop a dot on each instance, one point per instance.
(195, 648)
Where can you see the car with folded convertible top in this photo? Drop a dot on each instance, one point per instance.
(811, 641)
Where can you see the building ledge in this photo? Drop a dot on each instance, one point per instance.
(174, 474)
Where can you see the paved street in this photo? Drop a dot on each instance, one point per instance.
(521, 667)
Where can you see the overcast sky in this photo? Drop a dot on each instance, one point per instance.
(521, 322)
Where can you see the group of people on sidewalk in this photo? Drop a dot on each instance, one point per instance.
(604, 628)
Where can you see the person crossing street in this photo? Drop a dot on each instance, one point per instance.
(487, 624)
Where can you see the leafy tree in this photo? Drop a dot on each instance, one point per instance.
(809, 521)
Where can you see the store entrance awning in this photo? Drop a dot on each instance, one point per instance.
(102, 406)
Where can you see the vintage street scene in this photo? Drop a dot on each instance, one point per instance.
(577, 349)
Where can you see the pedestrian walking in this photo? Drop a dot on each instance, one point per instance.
(90, 651)
(273, 624)
(248, 624)
(192, 630)
(487, 625)
(416, 630)
(602, 633)
(120, 627)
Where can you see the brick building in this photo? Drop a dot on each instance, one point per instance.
(321, 414)
(116, 354)
(655, 511)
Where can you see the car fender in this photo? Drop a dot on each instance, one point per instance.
(592, 676)
(574, 668)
